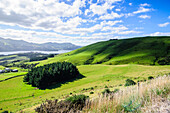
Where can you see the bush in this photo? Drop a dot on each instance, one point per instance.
(72, 104)
(77, 99)
(129, 82)
(120, 84)
(116, 90)
(6, 112)
(150, 77)
(92, 88)
(50, 55)
(91, 92)
(106, 91)
(46, 75)
(105, 87)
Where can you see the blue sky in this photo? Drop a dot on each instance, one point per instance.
(83, 22)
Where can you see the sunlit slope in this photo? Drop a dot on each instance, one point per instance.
(15, 95)
(143, 50)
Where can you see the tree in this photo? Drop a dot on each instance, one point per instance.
(129, 82)
(46, 75)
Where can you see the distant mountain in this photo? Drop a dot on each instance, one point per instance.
(20, 45)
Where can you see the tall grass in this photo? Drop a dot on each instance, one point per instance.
(150, 96)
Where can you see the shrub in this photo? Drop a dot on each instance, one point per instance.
(116, 90)
(106, 91)
(6, 112)
(105, 87)
(50, 55)
(70, 105)
(46, 75)
(77, 99)
(150, 77)
(92, 88)
(129, 82)
(91, 92)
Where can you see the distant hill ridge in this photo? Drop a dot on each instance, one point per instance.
(20, 45)
(141, 50)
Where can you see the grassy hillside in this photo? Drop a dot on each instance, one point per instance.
(147, 97)
(143, 50)
(16, 95)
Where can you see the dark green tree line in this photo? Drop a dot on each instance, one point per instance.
(46, 75)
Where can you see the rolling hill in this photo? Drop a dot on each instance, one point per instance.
(20, 45)
(141, 50)
(16, 96)
(22, 97)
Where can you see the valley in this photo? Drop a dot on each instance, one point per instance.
(106, 64)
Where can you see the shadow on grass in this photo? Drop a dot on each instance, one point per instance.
(80, 76)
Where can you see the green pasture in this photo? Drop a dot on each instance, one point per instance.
(143, 51)
(15, 95)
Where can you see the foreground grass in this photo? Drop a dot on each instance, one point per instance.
(148, 97)
(17, 96)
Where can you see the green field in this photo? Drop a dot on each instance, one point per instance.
(143, 50)
(4, 76)
(1, 67)
(11, 75)
(103, 64)
(17, 96)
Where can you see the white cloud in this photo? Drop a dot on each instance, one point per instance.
(111, 16)
(54, 15)
(62, 22)
(164, 24)
(142, 10)
(145, 4)
(32, 36)
(32, 13)
(159, 34)
(144, 16)
(111, 23)
(43, 37)
(99, 9)
(129, 32)
(87, 11)
(102, 9)
(139, 28)
(168, 17)
(117, 9)
(112, 1)
(130, 4)
(114, 29)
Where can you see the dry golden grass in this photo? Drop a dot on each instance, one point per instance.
(146, 97)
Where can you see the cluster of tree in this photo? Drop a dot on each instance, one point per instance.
(31, 54)
(24, 66)
(41, 58)
(46, 75)
(164, 61)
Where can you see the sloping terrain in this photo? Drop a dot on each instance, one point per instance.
(16, 95)
(143, 50)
